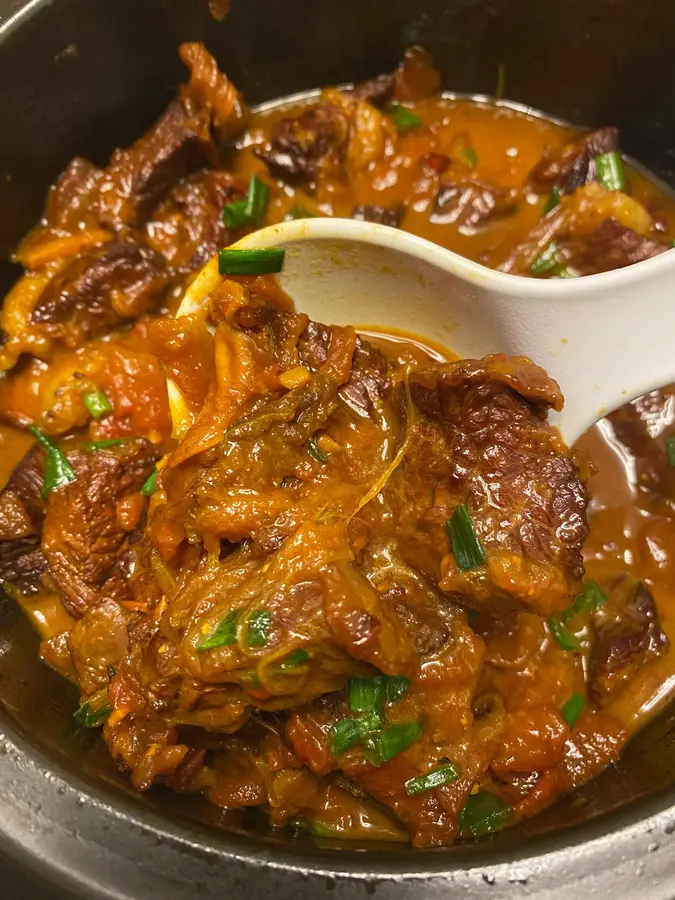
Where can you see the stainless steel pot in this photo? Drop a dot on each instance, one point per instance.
(84, 76)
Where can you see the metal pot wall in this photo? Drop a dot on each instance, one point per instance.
(84, 76)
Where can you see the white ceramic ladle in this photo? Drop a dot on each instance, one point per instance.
(606, 338)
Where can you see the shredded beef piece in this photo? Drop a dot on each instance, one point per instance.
(21, 513)
(629, 635)
(73, 201)
(376, 90)
(82, 540)
(108, 284)
(610, 246)
(300, 145)
(379, 214)
(369, 378)
(469, 204)
(573, 165)
(97, 642)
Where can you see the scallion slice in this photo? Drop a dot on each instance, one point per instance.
(395, 687)
(434, 779)
(571, 709)
(469, 156)
(553, 200)
(91, 718)
(97, 403)
(365, 694)
(610, 171)
(379, 748)
(500, 87)
(592, 598)
(670, 449)
(58, 471)
(546, 261)
(316, 452)
(234, 214)
(150, 485)
(299, 212)
(466, 546)
(484, 813)
(566, 638)
(293, 660)
(225, 634)
(404, 119)
(90, 446)
(349, 731)
(258, 628)
(233, 261)
(256, 200)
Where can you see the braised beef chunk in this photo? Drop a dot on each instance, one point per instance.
(370, 376)
(82, 539)
(376, 90)
(610, 246)
(187, 227)
(22, 564)
(469, 204)
(301, 145)
(381, 215)
(573, 165)
(21, 513)
(629, 635)
(98, 642)
(108, 284)
(73, 201)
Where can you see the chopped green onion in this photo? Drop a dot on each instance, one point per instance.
(565, 272)
(670, 449)
(553, 200)
(234, 214)
(484, 813)
(404, 119)
(58, 471)
(473, 616)
(225, 634)
(395, 687)
(299, 212)
(466, 546)
(349, 731)
(546, 261)
(97, 403)
(434, 779)
(91, 718)
(469, 156)
(379, 748)
(256, 201)
(233, 261)
(566, 638)
(592, 598)
(571, 709)
(293, 660)
(610, 171)
(365, 694)
(501, 81)
(150, 485)
(258, 627)
(316, 452)
(89, 446)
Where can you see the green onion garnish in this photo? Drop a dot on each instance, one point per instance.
(571, 709)
(404, 119)
(232, 261)
(258, 627)
(484, 813)
(349, 731)
(466, 546)
(610, 171)
(565, 272)
(395, 687)
(501, 81)
(553, 200)
(91, 718)
(256, 201)
(293, 660)
(365, 694)
(299, 212)
(58, 471)
(469, 156)
(225, 634)
(150, 485)
(234, 214)
(592, 598)
(89, 446)
(546, 261)
(434, 779)
(472, 616)
(566, 638)
(97, 403)
(670, 449)
(378, 748)
(316, 452)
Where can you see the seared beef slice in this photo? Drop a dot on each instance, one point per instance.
(21, 513)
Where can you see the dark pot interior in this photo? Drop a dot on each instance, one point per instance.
(84, 76)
